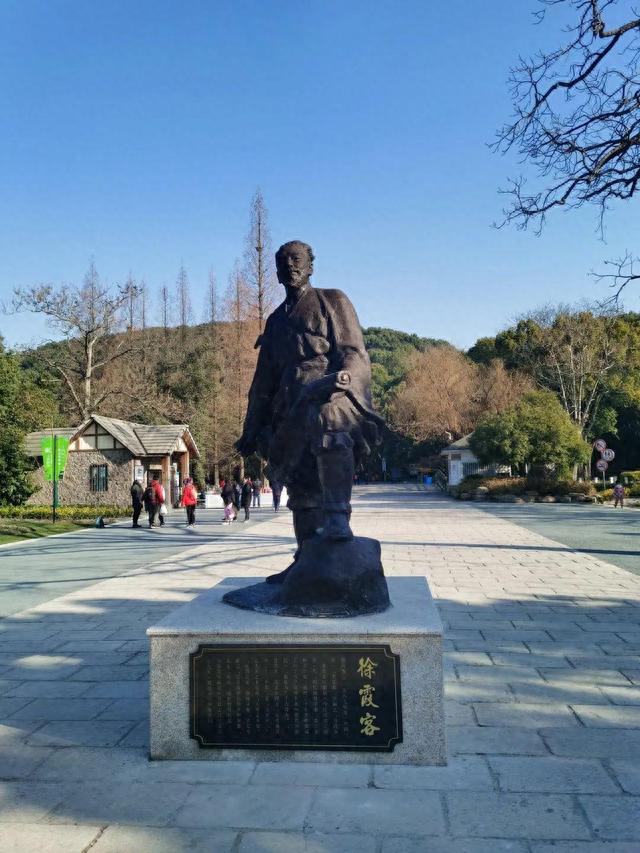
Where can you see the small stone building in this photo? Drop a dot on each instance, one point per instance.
(107, 454)
(462, 462)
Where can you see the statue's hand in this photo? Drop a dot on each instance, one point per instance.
(321, 389)
(246, 445)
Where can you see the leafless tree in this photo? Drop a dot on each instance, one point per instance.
(165, 309)
(88, 317)
(132, 303)
(212, 318)
(619, 274)
(144, 307)
(259, 267)
(239, 352)
(183, 301)
(577, 113)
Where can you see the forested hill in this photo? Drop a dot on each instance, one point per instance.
(388, 350)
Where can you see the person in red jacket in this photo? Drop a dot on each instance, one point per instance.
(158, 491)
(189, 501)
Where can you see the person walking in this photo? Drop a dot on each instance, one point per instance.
(245, 498)
(150, 505)
(276, 493)
(158, 489)
(227, 492)
(137, 498)
(618, 495)
(256, 488)
(189, 501)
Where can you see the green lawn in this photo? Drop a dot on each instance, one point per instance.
(17, 529)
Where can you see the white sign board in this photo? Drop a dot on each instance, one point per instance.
(138, 473)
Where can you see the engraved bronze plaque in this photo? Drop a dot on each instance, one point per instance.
(296, 697)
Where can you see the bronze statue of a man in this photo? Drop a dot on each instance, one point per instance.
(310, 412)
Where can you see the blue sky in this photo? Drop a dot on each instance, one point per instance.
(136, 133)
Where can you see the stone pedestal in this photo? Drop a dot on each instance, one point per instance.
(411, 628)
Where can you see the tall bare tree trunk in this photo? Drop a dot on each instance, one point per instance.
(184, 302)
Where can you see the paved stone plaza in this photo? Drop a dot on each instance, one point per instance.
(543, 708)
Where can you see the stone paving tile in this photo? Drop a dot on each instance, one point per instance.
(9, 705)
(457, 714)
(81, 646)
(598, 677)
(195, 772)
(16, 731)
(583, 847)
(499, 674)
(605, 662)
(467, 691)
(559, 692)
(115, 689)
(452, 845)
(593, 742)
(47, 689)
(18, 760)
(76, 764)
(541, 816)
(312, 774)
(62, 709)
(615, 818)
(112, 801)
(80, 733)
(494, 739)
(609, 717)
(44, 672)
(376, 811)
(125, 709)
(19, 838)
(552, 775)
(296, 842)
(137, 737)
(537, 661)
(465, 773)
(632, 674)
(109, 673)
(525, 715)
(628, 775)
(248, 807)
(28, 802)
(148, 839)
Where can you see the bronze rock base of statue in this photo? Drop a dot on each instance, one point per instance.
(329, 579)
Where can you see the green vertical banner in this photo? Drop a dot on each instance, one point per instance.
(62, 451)
(55, 449)
(46, 445)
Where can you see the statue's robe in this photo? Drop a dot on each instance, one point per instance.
(316, 336)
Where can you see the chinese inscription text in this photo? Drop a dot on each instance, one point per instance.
(296, 697)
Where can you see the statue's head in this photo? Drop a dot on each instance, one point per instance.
(294, 264)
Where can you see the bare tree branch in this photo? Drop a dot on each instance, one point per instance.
(577, 115)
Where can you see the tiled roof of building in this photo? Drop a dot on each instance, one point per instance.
(32, 440)
(140, 439)
(460, 444)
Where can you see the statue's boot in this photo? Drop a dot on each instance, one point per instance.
(335, 470)
(305, 524)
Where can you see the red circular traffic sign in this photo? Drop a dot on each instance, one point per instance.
(608, 455)
(600, 445)
(602, 465)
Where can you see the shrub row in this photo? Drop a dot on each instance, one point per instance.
(494, 486)
(70, 512)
